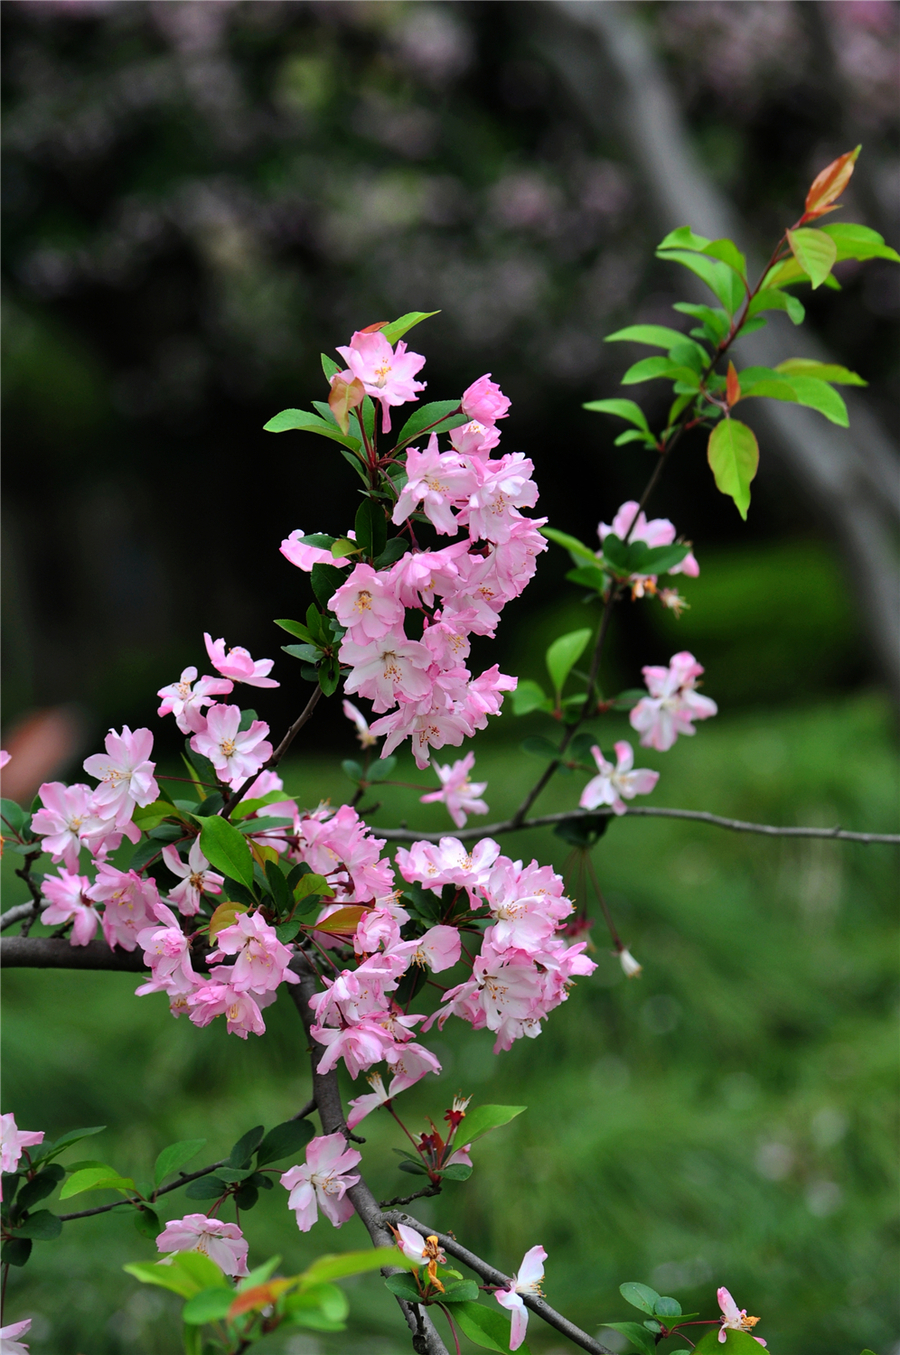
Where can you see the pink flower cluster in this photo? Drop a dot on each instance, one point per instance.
(525, 967)
(422, 688)
(673, 703)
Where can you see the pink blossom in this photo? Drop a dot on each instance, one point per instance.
(196, 878)
(235, 755)
(186, 702)
(438, 481)
(411, 1064)
(386, 373)
(485, 401)
(415, 1247)
(458, 792)
(304, 557)
(13, 1140)
(367, 605)
(218, 997)
(386, 670)
(528, 1281)
(69, 903)
(67, 821)
(167, 952)
(125, 774)
(359, 1046)
(237, 664)
(418, 575)
(672, 705)
(262, 961)
(366, 738)
(223, 1243)
(656, 532)
(734, 1318)
(474, 438)
(4, 758)
(129, 904)
(322, 1182)
(448, 862)
(8, 1343)
(616, 784)
(437, 950)
(505, 486)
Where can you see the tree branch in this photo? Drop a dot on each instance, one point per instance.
(640, 811)
(425, 1337)
(492, 1276)
(50, 952)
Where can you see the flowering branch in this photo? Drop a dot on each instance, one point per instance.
(496, 1277)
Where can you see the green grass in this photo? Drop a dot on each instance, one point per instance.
(724, 1119)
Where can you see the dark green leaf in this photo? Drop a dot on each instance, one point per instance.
(147, 1222)
(382, 769)
(65, 1141)
(639, 1295)
(463, 1291)
(326, 580)
(202, 766)
(485, 1327)
(637, 1335)
(246, 1146)
(246, 1196)
(307, 653)
(41, 1226)
(395, 548)
(306, 422)
(175, 1156)
(445, 414)
(414, 1168)
(144, 852)
(404, 1286)
(371, 527)
(295, 628)
(39, 1187)
(225, 848)
(285, 1140)
(660, 559)
(539, 746)
(457, 1171)
(13, 815)
(583, 832)
(628, 700)
(666, 1307)
(735, 1343)
(329, 677)
(284, 899)
(205, 1188)
(353, 770)
(16, 1251)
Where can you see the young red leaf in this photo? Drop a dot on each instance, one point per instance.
(373, 329)
(344, 396)
(732, 386)
(829, 185)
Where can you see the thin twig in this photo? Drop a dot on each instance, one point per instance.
(496, 1277)
(433, 1189)
(510, 825)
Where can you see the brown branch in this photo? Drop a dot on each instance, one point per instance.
(49, 952)
(425, 1337)
(510, 825)
(496, 1277)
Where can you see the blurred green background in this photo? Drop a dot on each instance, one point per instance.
(198, 198)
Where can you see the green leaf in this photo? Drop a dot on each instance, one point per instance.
(306, 422)
(395, 548)
(312, 884)
(818, 395)
(623, 409)
(210, 1305)
(666, 1307)
(735, 1343)
(485, 1327)
(721, 280)
(38, 1188)
(715, 321)
(822, 371)
(397, 328)
(570, 543)
(539, 746)
(649, 369)
(246, 1146)
(285, 1140)
(147, 1222)
(527, 697)
(371, 527)
(639, 1295)
(205, 1188)
(225, 848)
(326, 580)
(657, 336)
(329, 366)
(728, 253)
(563, 654)
(771, 299)
(457, 1171)
(589, 576)
(733, 455)
(815, 252)
(281, 893)
(175, 1156)
(42, 1226)
(858, 242)
(404, 1286)
(52, 1150)
(634, 435)
(485, 1118)
(185, 1273)
(13, 815)
(16, 1251)
(660, 559)
(625, 560)
(637, 1335)
(463, 1291)
(382, 770)
(95, 1178)
(295, 628)
(341, 1264)
(684, 238)
(444, 414)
